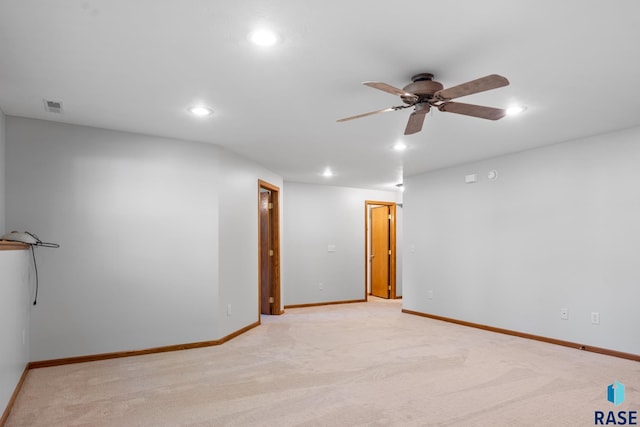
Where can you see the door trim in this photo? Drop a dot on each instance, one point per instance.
(392, 246)
(276, 308)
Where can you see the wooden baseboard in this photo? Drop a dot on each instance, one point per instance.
(105, 356)
(316, 304)
(7, 410)
(115, 355)
(605, 351)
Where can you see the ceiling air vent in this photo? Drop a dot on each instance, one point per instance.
(53, 106)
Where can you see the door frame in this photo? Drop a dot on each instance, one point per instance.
(392, 245)
(274, 236)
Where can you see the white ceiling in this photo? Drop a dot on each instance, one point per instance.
(138, 65)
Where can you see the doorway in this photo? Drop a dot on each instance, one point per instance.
(268, 248)
(380, 249)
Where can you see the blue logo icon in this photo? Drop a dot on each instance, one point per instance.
(615, 393)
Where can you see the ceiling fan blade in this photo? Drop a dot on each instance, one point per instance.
(482, 84)
(479, 111)
(390, 89)
(416, 120)
(371, 113)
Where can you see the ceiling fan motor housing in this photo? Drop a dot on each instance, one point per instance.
(423, 86)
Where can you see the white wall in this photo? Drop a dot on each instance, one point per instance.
(14, 320)
(142, 223)
(2, 173)
(316, 216)
(558, 229)
(14, 302)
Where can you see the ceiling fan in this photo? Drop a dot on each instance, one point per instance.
(425, 93)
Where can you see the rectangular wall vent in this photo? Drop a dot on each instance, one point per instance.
(53, 106)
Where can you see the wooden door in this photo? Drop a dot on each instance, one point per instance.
(380, 251)
(268, 248)
(265, 258)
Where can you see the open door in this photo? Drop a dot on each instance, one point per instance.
(381, 249)
(269, 248)
(380, 255)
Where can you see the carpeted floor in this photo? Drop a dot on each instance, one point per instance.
(364, 364)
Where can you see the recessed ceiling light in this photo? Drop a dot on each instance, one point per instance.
(263, 37)
(327, 173)
(400, 146)
(200, 111)
(515, 110)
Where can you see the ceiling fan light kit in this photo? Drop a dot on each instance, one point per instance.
(424, 93)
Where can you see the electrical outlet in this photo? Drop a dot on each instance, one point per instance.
(229, 310)
(321, 286)
(595, 318)
(429, 294)
(564, 313)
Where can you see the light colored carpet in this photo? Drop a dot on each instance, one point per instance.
(343, 365)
